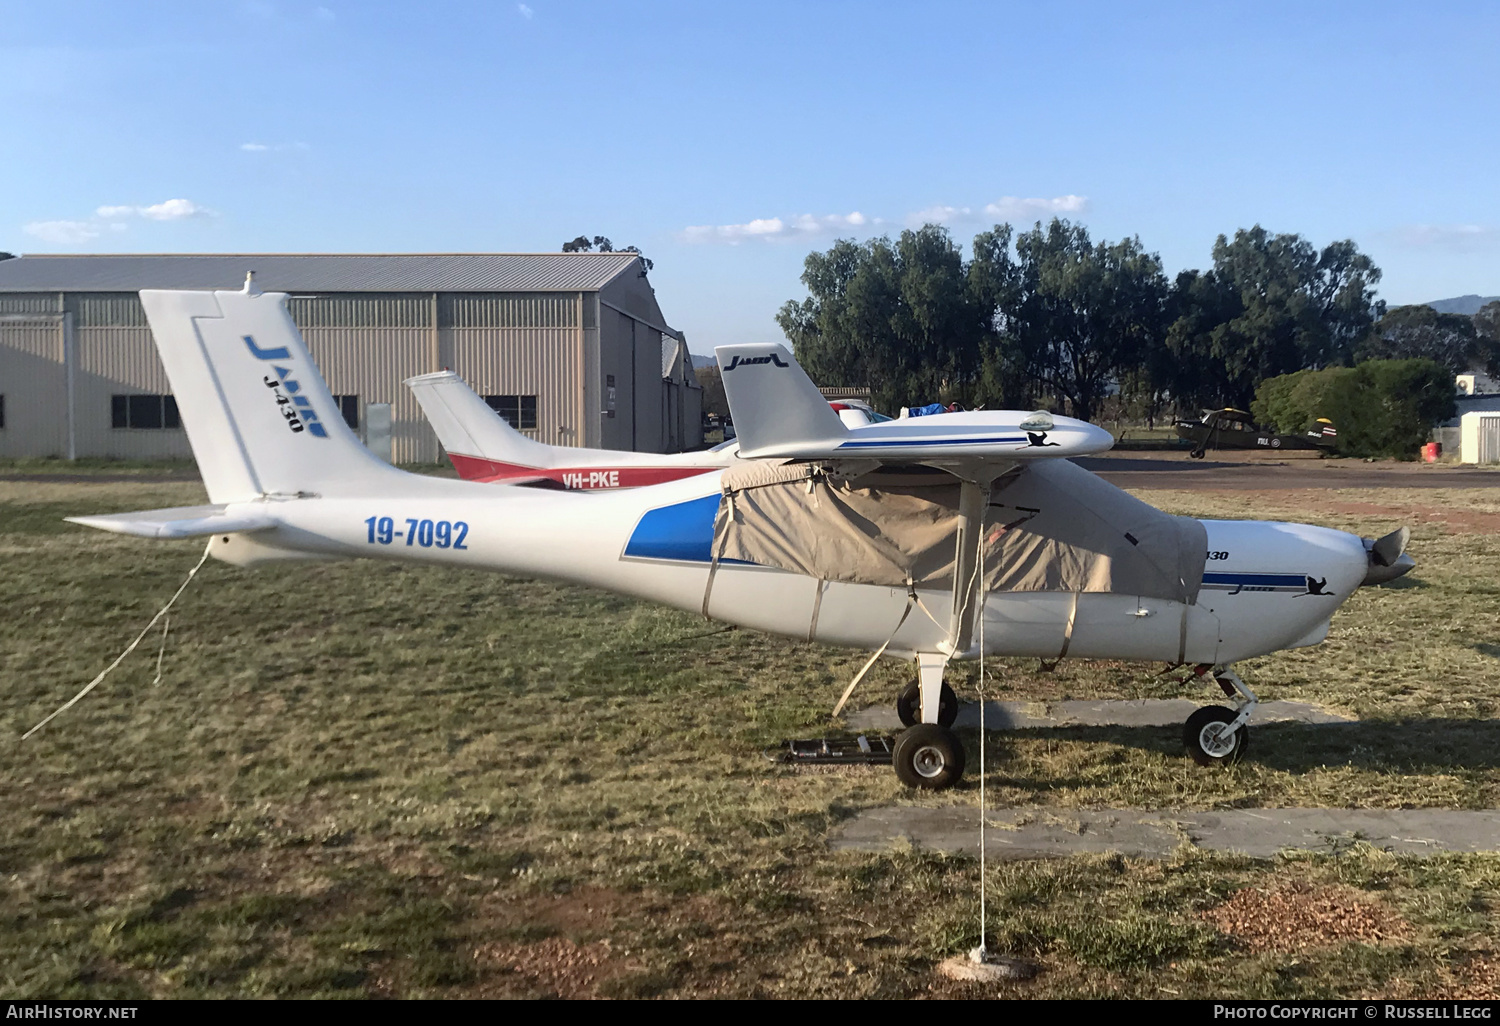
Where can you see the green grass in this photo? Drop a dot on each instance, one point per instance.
(368, 780)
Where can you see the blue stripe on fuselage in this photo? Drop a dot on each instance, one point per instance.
(683, 531)
(1263, 580)
(960, 440)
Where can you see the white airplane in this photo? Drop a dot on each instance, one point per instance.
(924, 539)
(484, 447)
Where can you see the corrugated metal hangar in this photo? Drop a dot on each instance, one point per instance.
(570, 347)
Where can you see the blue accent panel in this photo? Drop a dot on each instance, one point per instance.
(684, 531)
(1262, 580)
(318, 430)
(279, 353)
(930, 441)
(302, 400)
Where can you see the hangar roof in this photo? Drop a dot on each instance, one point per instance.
(318, 272)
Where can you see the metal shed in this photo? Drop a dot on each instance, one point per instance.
(571, 347)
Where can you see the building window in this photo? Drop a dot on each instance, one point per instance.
(519, 411)
(143, 411)
(349, 407)
(2, 411)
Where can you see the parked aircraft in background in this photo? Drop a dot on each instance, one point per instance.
(483, 445)
(924, 539)
(1235, 429)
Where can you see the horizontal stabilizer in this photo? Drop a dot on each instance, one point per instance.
(180, 522)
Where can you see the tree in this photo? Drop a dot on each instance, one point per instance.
(583, 244)
(994, 286)
(1188, 366)
(1380, 407)
(1284, 306)
(1420, 332)
(1486, 323)
(896, 316)
(1084, 314)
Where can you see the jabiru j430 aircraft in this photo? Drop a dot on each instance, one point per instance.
(483, 446)
(926, 539)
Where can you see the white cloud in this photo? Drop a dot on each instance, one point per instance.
(1457, 238)
(525, 12)
(63, 233)
(172, 210)
(168, 210)
(773, 228)
(939, 215)
(1018, 209)
(259, 147)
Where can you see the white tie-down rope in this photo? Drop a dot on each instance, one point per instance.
(161, 614)
(979, 953)
(911, 600)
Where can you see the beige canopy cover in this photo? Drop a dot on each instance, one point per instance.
(1050, 526)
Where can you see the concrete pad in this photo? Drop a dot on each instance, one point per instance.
(1260, 833)
(1139, 712)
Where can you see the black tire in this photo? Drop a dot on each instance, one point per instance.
(1197, 737)
(1197, 454)
(928, 756)
(909, 705)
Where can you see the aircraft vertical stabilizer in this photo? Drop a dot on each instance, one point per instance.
(259, 417)
(466, 425)
(773, 401)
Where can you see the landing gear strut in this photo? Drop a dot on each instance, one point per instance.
(1214, 735)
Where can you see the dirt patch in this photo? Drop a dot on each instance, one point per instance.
(1458, 521)
(558, 967)
(1302, 918)
(568, 945)
(1477, 979)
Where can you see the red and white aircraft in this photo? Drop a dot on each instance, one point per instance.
(484, 447)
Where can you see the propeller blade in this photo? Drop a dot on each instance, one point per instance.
(1388, 549)
(1388, 558)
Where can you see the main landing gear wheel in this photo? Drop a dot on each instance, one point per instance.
(928, 756)
(909, 705)
(1204, 737)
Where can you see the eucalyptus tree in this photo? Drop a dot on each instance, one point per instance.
(1084, 314)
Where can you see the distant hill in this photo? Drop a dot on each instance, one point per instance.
(699, 360)
(1466, 305)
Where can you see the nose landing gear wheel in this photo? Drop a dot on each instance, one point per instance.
(1203, 735)
(928, 756)
(909, 705)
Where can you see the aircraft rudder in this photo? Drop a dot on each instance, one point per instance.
(772, 400)
(258, 413)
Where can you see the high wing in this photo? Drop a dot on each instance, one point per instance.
(780, 414)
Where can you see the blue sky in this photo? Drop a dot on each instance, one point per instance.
(729, 139)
